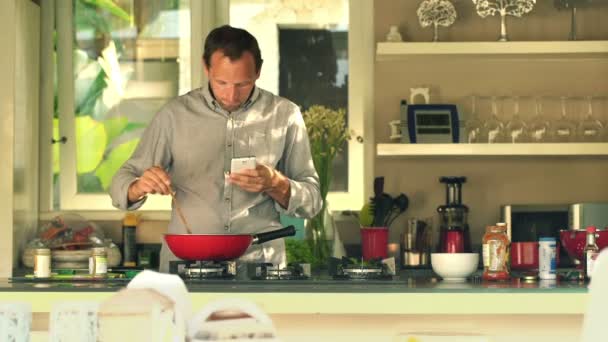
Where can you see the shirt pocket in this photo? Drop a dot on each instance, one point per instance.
(260, 146)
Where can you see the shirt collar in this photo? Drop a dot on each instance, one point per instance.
(212, 103)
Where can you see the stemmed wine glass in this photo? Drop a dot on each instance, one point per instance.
(516, 129)
(563, 129)
(494, 127)
(538, 127)
(590, 128)
(474, 125)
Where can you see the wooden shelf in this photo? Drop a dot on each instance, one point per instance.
(544, 149)
(387, 51)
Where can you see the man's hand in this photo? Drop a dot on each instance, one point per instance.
(153, 181)
(263, 179)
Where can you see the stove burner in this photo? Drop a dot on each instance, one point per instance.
(203, 269)
(345, 269)
(266, 271)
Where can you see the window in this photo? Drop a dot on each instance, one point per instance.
(129, 57)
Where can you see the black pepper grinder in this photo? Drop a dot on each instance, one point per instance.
(129, 241)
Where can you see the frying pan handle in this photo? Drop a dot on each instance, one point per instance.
(273, 235)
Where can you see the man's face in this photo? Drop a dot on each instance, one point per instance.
(231, 81)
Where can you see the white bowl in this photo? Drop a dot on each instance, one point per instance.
(454, 266)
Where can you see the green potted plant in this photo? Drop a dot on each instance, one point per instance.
(328, 134)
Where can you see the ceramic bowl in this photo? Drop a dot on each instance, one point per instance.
(454, 266)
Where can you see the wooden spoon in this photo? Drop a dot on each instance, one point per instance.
(180, 214)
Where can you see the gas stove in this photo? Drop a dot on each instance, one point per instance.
(192, 270)
(266, 271)
(348, 269)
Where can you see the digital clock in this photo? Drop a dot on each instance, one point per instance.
(433, 123)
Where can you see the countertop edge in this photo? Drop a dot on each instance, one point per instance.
(355, 303)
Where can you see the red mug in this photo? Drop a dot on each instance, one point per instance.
(524, 255)
(374, 242)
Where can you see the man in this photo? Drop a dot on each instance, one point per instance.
(190, 143)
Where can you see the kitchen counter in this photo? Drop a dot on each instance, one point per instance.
(401, 295)
(356, 311)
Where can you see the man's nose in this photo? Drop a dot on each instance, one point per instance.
(233, 93)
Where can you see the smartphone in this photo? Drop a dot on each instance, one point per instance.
(238, 164)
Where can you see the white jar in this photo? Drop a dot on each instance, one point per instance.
(547, 262)
(42, 263)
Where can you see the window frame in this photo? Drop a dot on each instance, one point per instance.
(204, 16)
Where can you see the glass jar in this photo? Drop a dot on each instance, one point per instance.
(42, 263)
(495, 244)
(98, 262)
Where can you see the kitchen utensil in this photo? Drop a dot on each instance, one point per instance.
(573, 241)
(400, 205)
(381, 203)
(219, 247)
(180, 214)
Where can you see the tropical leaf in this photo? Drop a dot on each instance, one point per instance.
(88, 101)
(114, 161)
(133, 126)
(91, 142)
(87, 18)
(111, 7)
(115, 126)
(88, 183)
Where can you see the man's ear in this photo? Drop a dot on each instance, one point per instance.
(259, 71)
(205, 68)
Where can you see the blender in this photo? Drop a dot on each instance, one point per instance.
(454, 236)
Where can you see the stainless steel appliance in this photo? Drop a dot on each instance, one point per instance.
(527, 222)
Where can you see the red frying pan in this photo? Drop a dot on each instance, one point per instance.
(219, 247)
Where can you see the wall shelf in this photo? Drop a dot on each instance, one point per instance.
(388, 51)
(544, 149)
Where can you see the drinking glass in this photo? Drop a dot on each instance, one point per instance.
(494, 127)
(590, 129)
(516, 129)
(474, 125)
(538, 127)
(563, 129)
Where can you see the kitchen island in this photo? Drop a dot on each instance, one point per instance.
(359, 311)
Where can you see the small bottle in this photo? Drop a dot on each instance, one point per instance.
(547, 253)
(495, 244)
(42, 263)
(98, 262)
(590, 252)
(129, 242)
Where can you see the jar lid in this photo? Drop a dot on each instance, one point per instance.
(43, 251)
(547, 239)
(98, 249)
(530, 277)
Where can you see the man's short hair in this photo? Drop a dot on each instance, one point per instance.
(233, 42)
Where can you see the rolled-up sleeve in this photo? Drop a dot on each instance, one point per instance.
(153, 150)
(305, 198)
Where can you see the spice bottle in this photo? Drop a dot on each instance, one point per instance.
(129, 242)
(42, 263)
(495, 244)
(590, 252)
(98, 262)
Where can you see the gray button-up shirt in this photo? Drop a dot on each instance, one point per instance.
(194, 139)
